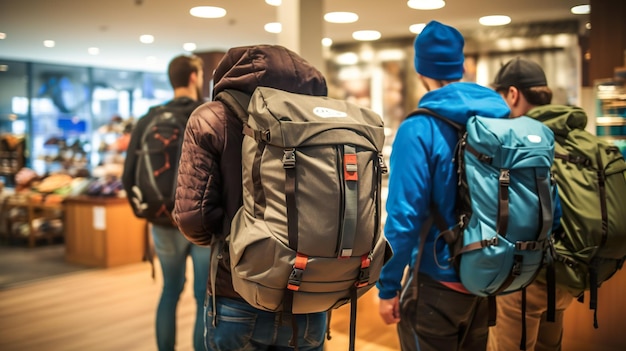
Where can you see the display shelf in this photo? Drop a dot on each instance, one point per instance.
(33, 217)
(611, 111)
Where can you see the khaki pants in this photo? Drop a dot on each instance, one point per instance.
(541, 335)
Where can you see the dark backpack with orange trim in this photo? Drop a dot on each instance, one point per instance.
(153, 189)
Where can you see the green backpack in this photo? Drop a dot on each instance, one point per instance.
(591, 176)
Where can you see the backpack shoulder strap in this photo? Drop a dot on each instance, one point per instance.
(424, 111)
(237, 101)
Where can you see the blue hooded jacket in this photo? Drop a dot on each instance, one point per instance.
(422, 173)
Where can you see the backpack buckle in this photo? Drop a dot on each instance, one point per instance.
(364, 278)
(492, 242)
(504, 177)
(364, 272)
(295, 278)
(289, 158)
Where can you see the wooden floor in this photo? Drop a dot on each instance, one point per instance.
(113, 309)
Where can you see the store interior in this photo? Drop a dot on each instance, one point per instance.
(64, 130)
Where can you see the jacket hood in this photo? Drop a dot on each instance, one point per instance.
(560, 118)
(459, 101)
(247, 67)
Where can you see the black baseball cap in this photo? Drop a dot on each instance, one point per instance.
(520, 73)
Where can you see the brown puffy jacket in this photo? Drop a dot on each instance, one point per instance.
(209, 176)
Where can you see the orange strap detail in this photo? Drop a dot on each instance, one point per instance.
(350, 167)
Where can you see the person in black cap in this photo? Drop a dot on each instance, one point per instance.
(443, 315)
(522, 84)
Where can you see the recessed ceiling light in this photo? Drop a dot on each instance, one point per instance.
(341, 17)
(426, 4)
(146, 39)
(495, 20)
(93, 51)
(348, 58)
(189, 46)
(274, 2)
(581, 9)
(417, 28)
(273, 27)
(49, 43)
(327, 42)
(3, 36)
(366, 35)
(207, 12)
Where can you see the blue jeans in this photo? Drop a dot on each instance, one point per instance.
(172, 249)
(241, 327)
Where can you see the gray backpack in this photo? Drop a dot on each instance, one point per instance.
(308, 237)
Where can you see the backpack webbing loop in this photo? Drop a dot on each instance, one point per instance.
(290, 197)
(603, 207)
(522, 345)
(351, 198)
(502, 221)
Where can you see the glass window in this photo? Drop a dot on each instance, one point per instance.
(119, 97)
(13, 118)
(60, 118)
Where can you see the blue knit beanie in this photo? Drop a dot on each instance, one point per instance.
(439, 52)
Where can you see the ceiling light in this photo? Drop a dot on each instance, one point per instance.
(341, 17)
(327, 42)
(348, 58)
(93, 51)
(417, 28)
(273, 27)
(581, 9)
(146, 39)
(49, 43)
(426, 4)
(3, 36)
(391, 55)
(495, 20)
(274, 2)
(207, 12)
(366, 35)
(189, 46)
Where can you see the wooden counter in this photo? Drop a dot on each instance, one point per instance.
(102, 232)
(578, 331)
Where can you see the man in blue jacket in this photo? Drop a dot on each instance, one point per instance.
(422, 176)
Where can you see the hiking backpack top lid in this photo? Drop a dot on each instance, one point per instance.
(591, 175)
(157, 158)
(308, 237)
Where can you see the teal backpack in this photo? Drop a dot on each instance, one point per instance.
(505, 206)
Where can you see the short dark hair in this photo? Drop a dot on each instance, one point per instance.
(181, 67)
(538, 96)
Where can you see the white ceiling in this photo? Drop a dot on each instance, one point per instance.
(114, 26)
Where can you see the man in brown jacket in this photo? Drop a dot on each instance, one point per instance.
(209, 192)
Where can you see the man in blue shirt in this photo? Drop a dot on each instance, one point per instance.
(422, 175)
